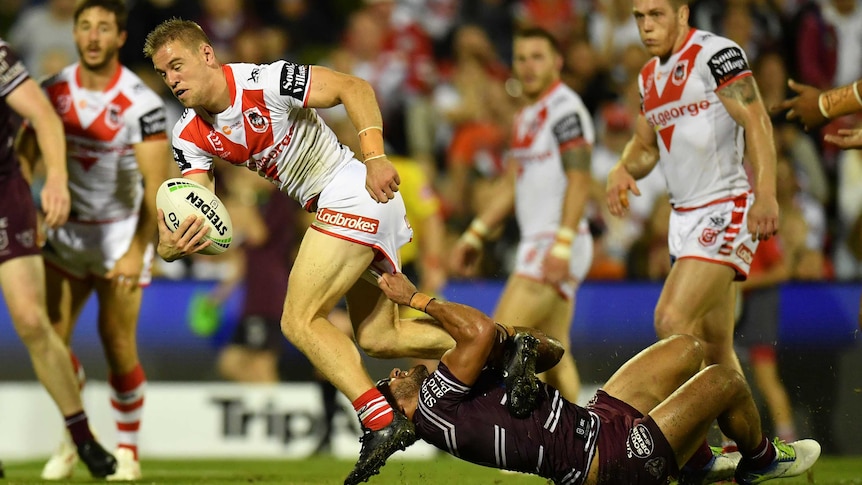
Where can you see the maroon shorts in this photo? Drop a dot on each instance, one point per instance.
(17, 219)
(632, 448)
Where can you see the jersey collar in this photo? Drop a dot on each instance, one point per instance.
(231, 82)
(114, 80)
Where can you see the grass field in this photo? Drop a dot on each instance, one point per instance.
(443, 470)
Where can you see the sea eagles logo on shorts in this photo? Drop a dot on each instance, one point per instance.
(350, 221)
(26, 238)
(708, 236)
(640, 442)
(680, 73)
(256, 120)
(716, 221)
(744, 253)
(112, 116)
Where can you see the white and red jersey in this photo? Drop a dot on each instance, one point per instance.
(541, 131)
(102, 128)
(700, 145)
(268, 128)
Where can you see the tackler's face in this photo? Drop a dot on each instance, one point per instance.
(403, 386)
(184, 70)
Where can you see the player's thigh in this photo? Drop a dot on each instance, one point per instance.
(66, 296)
(525, 302)
(656, 372)
(325, 268)
(368, 308)
(692, 289)
(23, 283)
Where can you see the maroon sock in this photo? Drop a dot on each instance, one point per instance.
(79, 427)
(762, 456)
(701, 458)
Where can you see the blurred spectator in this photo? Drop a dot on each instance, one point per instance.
(559, 17)
(753, 24)
(43, 37)
(848, 248)
(310, 26)
(845, 17)
(757, 331)
(586, 75)
(803, 223)
(815, 53)
(223, 20)
(612, 28)
(615, 127)
(438, 18)
(147, 14)
(495, 18)
(474, 104)
(261, 45)
(649, 256)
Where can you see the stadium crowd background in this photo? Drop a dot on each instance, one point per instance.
(440, 69)
(441, 72)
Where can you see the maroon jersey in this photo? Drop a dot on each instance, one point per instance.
(557, 441)
(12, 74)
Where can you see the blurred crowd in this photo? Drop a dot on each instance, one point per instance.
(441, 73)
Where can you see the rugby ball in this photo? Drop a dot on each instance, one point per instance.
(179, 198)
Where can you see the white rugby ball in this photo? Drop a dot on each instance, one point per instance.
(179, 198)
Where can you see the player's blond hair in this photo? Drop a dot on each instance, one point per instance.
(189, 33)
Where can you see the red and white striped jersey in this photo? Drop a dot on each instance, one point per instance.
(102, 128)
(541, 131)
(700, 145)
(268, 128)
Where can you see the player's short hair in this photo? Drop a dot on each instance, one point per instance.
(117, 7)
(538, 33)
(189, 33)
(677, 4)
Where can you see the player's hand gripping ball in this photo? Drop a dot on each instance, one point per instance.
(179, 198)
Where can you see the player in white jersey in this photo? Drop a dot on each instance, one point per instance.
(701, 111)
(117, 151)
(547, 182)
(261, 117)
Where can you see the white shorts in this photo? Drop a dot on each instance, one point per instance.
(345, 210)
(717, 233)
(531, 254)
(84, 249)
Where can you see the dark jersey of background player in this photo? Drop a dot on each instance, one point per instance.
(12, 74)
(557, 441)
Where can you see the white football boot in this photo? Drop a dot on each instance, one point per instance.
(62, 463)
(128, 468)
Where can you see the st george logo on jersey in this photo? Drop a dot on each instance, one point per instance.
(680, 72)
(256, 120)
(112, 117)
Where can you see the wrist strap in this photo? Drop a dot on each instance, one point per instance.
(420, 301)
(561, 250)
(507, 329)
(820, 105)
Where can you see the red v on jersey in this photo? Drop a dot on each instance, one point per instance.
(673, 87)
(257, 131)
(524, 135)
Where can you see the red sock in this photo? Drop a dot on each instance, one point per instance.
(127, 399)
(760, 457)
(373, 410)
(701, 458)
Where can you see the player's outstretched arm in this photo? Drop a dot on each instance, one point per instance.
(640, 156)
(330, 88)
(813, 107)
(29, 101)
(742, 100)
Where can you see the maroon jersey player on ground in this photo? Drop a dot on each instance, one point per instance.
(635, 429)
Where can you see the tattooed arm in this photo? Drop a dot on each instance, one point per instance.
(742, 100)
(814, 108)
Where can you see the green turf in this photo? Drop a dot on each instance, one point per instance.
(442, 470)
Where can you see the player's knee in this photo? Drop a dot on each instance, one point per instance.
(668, 321)
(727, 381)
(376, 345)
(32, 327)
(689, 349)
